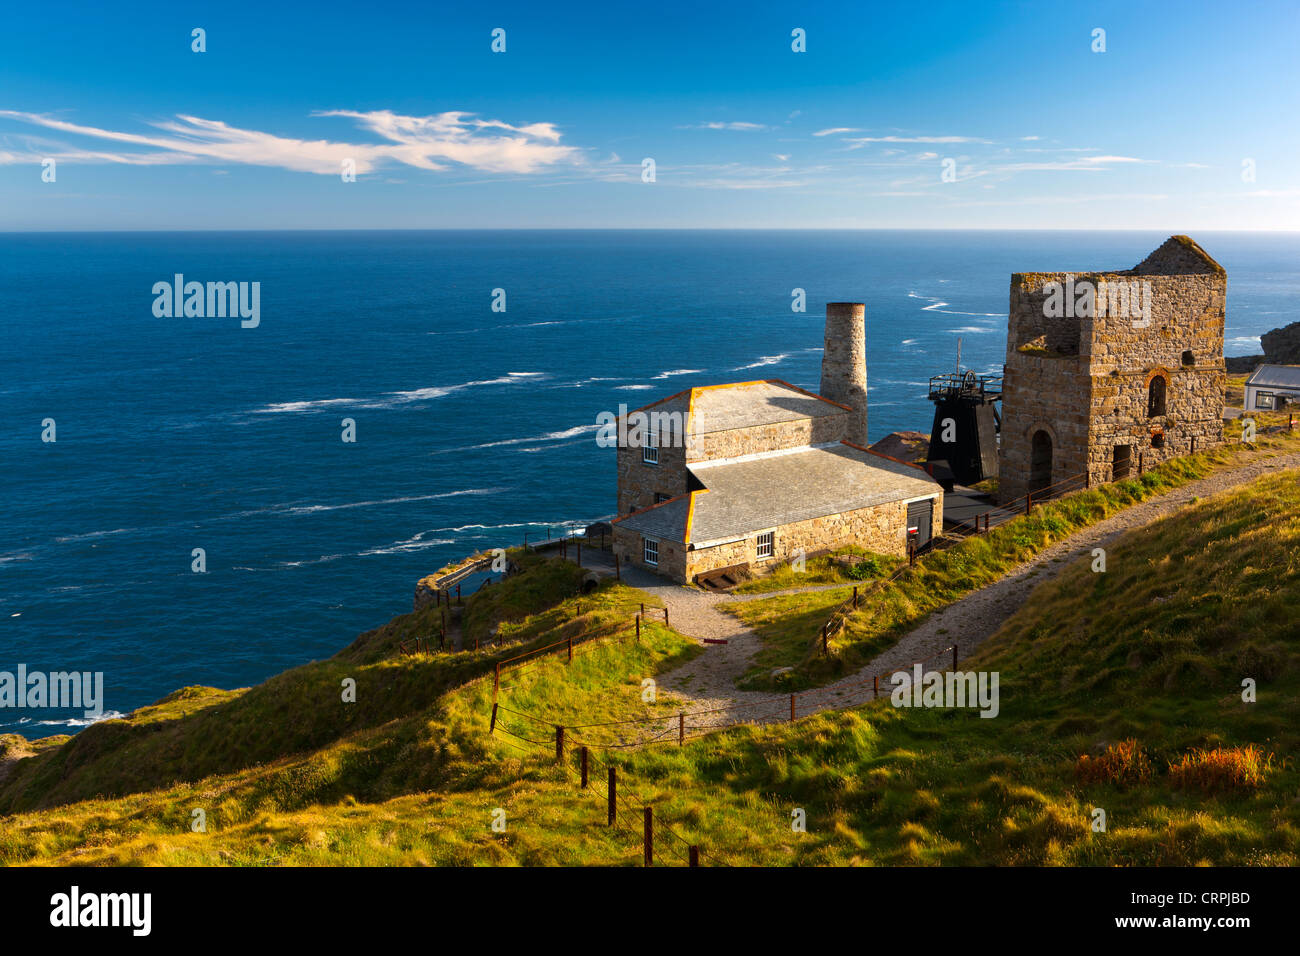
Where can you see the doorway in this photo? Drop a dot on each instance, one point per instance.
(920, 515)
(1040, 462)
(1122, 463)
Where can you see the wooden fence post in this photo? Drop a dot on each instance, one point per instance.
(584, 767)
(492, 727)
(855, 597)
(570, 650)
(643, 608)
(875, 685)
(665, 615)
(681, 728)
(825, 628)
(559, 743)
(694, 856)
(649, 837)
(638, 628)
(613, 792)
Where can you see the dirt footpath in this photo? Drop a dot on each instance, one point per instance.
(709, 681)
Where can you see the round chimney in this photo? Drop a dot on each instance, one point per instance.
(844, 364)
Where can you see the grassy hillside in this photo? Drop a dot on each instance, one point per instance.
(1119, 690)
(789, 625)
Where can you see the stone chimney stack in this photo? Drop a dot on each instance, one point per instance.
(844, 364)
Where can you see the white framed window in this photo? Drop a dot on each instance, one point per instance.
(1264, 400)
(766, 544)
(650, 551)
(650, 450)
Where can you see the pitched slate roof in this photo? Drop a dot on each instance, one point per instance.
(1275, 376)
(758, 492)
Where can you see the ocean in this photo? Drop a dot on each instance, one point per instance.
(472, 426)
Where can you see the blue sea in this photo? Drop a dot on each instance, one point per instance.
(473, 426)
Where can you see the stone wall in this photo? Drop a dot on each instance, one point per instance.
(1085, 380)
(735, 442)
(672, 556)
(639, 482)
(1045, 387)
(881, 528)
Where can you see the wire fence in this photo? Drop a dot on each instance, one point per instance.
(564, 740)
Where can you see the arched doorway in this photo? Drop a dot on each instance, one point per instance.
(1040, 461)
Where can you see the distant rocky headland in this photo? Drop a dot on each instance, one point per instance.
(1281, 347)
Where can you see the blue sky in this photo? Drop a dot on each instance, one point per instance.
(1038, 130)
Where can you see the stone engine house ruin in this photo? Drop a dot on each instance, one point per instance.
(1106, 369)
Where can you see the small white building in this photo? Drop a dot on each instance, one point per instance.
(1271, 387)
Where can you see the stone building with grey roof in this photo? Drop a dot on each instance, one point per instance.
(751, 474)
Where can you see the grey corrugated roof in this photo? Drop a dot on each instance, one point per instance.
(1275, 376)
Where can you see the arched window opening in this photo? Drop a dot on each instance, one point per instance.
(1156, 397)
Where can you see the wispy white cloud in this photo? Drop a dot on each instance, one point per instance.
(835, 130)
(743, 127)
(914, 139)
(434, 142)
(1114, 159)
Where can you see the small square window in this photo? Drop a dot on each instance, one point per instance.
(766, 541)
(650, 452)
(1263, 399)
(650, 551)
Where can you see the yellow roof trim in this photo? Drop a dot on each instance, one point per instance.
(690, 516)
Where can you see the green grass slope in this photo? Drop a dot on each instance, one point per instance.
(1119, 690)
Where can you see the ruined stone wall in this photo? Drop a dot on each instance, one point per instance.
(1183, 342)
(1084, 379)
(1045, 387)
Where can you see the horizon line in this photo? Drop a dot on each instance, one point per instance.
(1183, 231)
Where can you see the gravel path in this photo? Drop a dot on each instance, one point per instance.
(708, 683)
